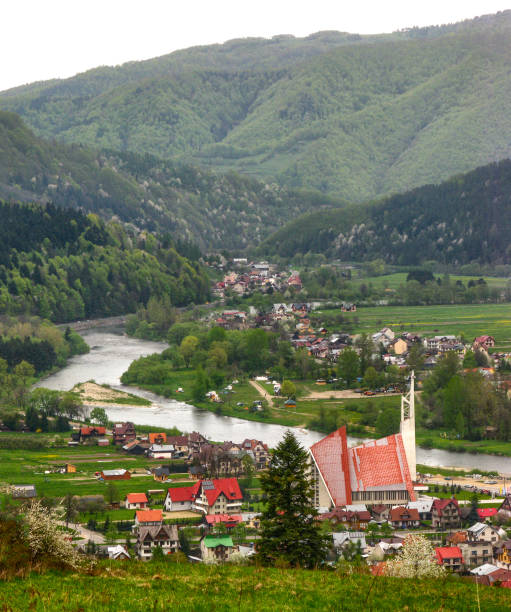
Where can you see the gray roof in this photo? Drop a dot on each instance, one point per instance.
(24, 490)
(118, 472)
(343, 537)
(484, 570)
(170, 532)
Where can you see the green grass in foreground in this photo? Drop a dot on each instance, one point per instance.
(134, 587)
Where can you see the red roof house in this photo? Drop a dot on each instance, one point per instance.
(136, 501)
(181, 498)
(404, 518)
(445, 513)
(450, 557)
(219, 496)
(376, 471)
(486, 513)
(226, 519)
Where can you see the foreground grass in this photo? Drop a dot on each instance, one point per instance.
(134, 587)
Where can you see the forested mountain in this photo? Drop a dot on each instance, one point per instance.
(353, 115)
(465, 219)
(224, 211)
(62, 265)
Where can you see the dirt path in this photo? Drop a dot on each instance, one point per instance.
(262, 391)
(345, 394)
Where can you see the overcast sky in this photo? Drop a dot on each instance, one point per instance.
(43, 39)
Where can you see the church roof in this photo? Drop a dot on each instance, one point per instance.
(375, 465)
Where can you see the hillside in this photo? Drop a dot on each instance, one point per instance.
(465, 219)
(213, 211)
(135, 586)
(347, 114)
(63, 265)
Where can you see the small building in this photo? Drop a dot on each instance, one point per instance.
(158, 438)
(163, 536)
(148, 518)
(423, 506)
(161, 451)
(290, 403)
(503, 555)
(216, 548)
(180, 498)
(445, 514)
(119, 474)
(228, 520)
(404, 518)
(486, 513)
(136, 501)
(24, 491)
(450, 557)
(123, 432)
(103, 442)
(380, 513)
(162, 473)
(505, 506)
(484, 532)
(118, 553)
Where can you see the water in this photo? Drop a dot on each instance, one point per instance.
(111, 354)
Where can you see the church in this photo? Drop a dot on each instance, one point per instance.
(376, 472)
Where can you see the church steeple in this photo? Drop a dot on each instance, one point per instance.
(407, 427)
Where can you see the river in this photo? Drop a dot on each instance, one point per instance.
(111, 354)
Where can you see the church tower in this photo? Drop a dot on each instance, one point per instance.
(407, 428)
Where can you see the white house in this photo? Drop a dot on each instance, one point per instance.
(161, 451)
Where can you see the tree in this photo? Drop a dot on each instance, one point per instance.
(415, 560)
(387, 422)
(200, 385)
(473, 517)
(288, 389)
(70, 508)
(348, 365)
(112, 493)
(290, 533)
(247, 464)
(98, 415)
(188, 347)
(469, 361)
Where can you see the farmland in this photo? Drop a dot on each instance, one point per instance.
(467, 320)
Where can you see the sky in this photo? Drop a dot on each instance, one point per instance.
(44, 39)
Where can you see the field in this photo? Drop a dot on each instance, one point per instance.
(467, 320)
(394, 281)
(138, 587)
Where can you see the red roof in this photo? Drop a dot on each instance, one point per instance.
(440, 504)
(136, 498)
(211, 519)
(149, 516)
(181, 494)
(378, 463)
(448, 552)
(404, 514)
(154, 437)
(486, 512)
(86, 431)
(228, 486)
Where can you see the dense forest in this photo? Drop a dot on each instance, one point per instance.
(224, 211)
(63, 265)
(465, 219)
(358, 116)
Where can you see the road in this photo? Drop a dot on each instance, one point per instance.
(262, 391)
(85, 533)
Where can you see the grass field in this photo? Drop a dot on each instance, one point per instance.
(394, 281)
(469, 320)
(135, 587)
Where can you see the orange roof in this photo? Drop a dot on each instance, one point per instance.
(155, 437)
(149, 516)
(136, 498)
(375, 464)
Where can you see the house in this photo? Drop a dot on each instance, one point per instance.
(22, 491)
(485, 342)
(180, 444)
(180, 498)
(343, 538)
(259, 451)
(67, 468)
(161, 451)
(404, 518)
(290, 403)
(119, 474)
(486, 513)
(423, 506)
(216, 548)
(93, 431)
(148, 518)
(220, 496)
(484, 532)
(118, 553)
(158, 438)
(228, 520)
(148, 538)
(502, 554)
(484, 570)
(380, 513)
(375, 472)
(398, 346)
(103, 442)
(476, 552)
(136, 501)
(352, 519)
(450, 557)
(123, 432)
(505, 506)
(136, 447)
(445, 514)
(162, 473)
(385, 548)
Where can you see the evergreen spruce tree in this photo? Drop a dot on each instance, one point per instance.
(290, 533)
